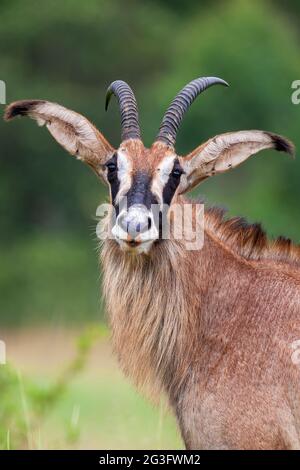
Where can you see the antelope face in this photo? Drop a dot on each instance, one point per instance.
(144, 183)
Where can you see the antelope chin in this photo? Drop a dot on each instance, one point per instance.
(137, 248)
(140, 244)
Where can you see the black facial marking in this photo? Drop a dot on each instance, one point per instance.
(140, 191)
(172, 183)
(112, 176)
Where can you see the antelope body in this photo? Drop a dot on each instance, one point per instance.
(213, 329)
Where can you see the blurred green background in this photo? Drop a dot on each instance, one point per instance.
(69, 52)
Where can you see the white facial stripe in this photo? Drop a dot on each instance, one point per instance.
(124, 174)
(162, 175)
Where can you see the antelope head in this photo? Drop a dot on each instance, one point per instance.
(142, 177)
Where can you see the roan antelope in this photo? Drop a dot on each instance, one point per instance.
(213, 329)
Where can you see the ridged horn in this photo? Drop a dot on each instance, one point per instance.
(179, 106)
(128, 109)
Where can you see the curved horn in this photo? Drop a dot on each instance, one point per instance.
(179, 106)
(128, 108)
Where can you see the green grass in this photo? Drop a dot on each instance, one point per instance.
(108, 414)
(56, 278)
(64, 390)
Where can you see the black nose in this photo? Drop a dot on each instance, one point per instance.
(144, 226)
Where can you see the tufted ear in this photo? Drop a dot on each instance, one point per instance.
(71, 130)
(226, 151)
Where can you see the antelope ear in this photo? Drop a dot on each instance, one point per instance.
(227, 151)
(71, 130)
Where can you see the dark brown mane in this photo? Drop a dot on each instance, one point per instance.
(250, 240)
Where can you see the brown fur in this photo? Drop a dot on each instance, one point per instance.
(213, 330)
(249, 240)
(143, 158)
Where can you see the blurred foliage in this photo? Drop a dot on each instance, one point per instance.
(53, 275)
(69, 52)
(26, 403)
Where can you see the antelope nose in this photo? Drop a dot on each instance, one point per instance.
(134, 222)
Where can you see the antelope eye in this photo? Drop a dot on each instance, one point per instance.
(177, 172)
(111, 166)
